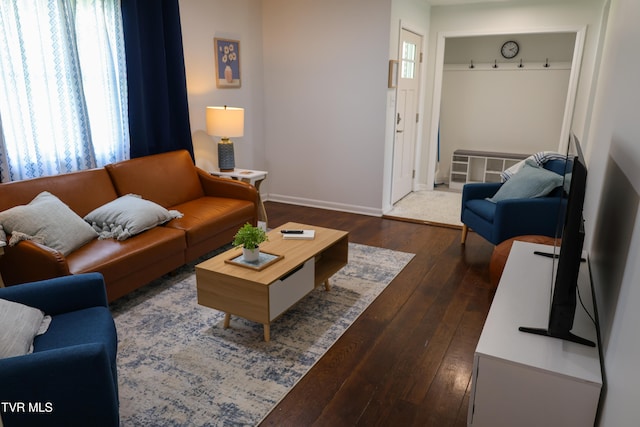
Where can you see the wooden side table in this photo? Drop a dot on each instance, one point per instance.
(252, 177)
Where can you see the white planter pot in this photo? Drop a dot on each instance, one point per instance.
(251, 255)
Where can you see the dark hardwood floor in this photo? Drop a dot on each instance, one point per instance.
(407, 360)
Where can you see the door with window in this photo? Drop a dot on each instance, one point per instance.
(406, 114)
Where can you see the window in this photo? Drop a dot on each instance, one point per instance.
(63, 105)
(408, 60)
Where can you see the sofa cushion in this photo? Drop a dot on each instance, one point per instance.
(531, 181)
(127, 216)
(209, 216)
(116, 259)
(167, 179)
(82, 191)
(49, 221)
(19, 324)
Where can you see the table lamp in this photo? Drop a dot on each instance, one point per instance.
(225, 122)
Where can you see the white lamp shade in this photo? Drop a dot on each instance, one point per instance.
(225, 121)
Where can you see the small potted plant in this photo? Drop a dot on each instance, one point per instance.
(250, 237)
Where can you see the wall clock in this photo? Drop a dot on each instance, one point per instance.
(509, 49)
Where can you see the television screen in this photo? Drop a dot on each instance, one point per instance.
(570, 237)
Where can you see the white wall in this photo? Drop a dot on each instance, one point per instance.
(511, 111)
(413, 15)
(611, 212)
(514, 17)
(202, 20)
(508, 109)
(319, 115)
(354, 106)
(325, 89)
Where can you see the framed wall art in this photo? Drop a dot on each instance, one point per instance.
(227, 63)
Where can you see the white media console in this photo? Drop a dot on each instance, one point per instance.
(520, 379)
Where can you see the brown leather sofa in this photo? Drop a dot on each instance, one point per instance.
(213, 210)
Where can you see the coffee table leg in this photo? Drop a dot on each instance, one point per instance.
(327, 285)
(267, 327)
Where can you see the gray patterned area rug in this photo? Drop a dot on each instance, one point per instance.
(178, 366)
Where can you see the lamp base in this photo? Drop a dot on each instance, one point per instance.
(226, 160)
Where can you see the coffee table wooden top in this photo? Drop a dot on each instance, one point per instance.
(294, 251)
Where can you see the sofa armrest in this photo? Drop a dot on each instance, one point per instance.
(71, 385)
(29, 261)
(61, 294)
(480, 190)
(224, 187)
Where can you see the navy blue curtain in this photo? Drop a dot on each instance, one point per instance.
(158, 109)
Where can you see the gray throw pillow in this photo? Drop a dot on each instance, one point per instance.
(48, 220)
(19, 325)
(127, 216)
(530, 181)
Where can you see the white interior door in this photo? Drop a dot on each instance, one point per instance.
(406, 115)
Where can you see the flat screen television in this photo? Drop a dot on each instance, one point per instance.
(570, 235)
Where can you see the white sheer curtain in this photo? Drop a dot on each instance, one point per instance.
(63, 105)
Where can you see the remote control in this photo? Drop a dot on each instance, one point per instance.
(292, 231)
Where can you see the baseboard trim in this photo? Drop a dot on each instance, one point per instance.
(422, 221)
(323, 204)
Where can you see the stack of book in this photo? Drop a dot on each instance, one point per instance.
(298, 234)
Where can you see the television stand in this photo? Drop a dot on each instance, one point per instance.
(567, 337)
(522, 379)
(553, 255)
(546, 254)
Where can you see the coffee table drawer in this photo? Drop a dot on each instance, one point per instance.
(285, 292)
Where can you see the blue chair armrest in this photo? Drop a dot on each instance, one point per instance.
(479, 190)
(528, 216)
(512, 207)
(70, 386)
(61, 294)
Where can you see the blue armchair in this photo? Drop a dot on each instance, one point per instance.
(70, 379)
(497, 222)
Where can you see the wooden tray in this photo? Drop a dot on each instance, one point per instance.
(265, 260)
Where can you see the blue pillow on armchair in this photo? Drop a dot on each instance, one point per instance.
(530, 181)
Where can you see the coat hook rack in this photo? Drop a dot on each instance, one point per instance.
(495, 63)
(521, 65)
(546, 64)
(471, 65)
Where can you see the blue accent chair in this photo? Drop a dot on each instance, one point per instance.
(497, 222)
(71, 374)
